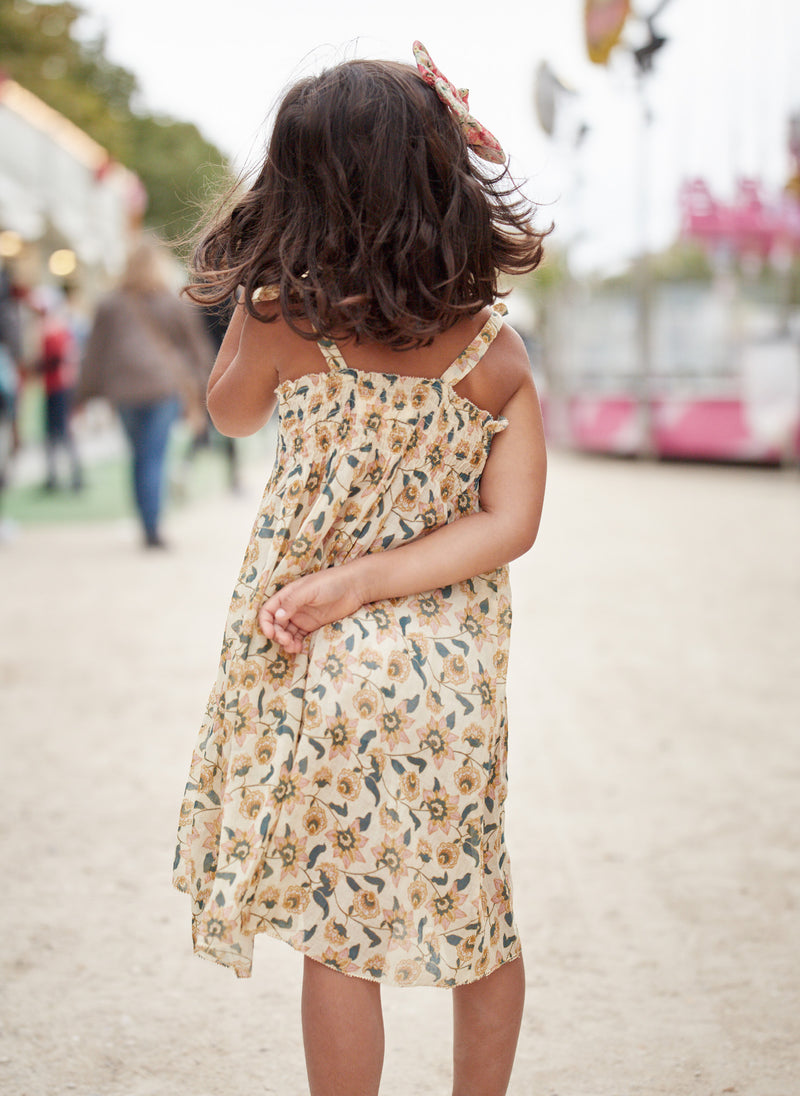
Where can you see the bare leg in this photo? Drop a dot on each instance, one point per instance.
(342, 1032)
(486, 1019)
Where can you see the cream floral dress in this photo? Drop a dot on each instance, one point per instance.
(349, 799)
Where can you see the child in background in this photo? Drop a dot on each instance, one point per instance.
(58, 365)
(346, 794)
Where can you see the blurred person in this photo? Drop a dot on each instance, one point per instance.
(10, 354)
(148, 354)
(57, 364)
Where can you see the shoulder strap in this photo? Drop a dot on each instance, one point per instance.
(471, 355)
(332, 354)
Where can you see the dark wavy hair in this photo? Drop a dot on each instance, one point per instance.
(369, 215)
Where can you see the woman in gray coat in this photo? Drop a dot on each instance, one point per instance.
(149, 355)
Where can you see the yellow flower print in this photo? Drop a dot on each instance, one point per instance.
(347, 842)
(217, 923)
(379, 757)
(466, 948)
(391, 854)
(486, 690)
(242, 845)
(437, 739)
(252, 802)
(323, 436)
(417, 893)
(336, 665)
(322, 777)
(433, 700)
(296, 899)
(366, 702)
(399, 666)
(365, 904)
(407, 972)
(467, 779)
(449, 486)
(206, 779)
(371, 659)
(502, 895)
(213, 830)
(392, 727)
(314, 820)
(349, 784)
(500, 661)
(375, 967)
(312, 715)
(441, 808)
(265, 748)
(474, 735)
(419, 396)
(432, 516)
(288, 787)
(400, 925)
(407, 499)
(328, 875)
(424, 851)
(270, 897)
(397, 438)
(341, 733)
(249, 674)
(432, 608)
(336, 932)
(292, 852)
(340, 960)
(302, 549)
(472, 621)
(447, 854)
(243, 719)
(240, 766)
(381, 619)
(278, 668)
(445, 908)
(409, 786)
(390, 819)
(455, 669)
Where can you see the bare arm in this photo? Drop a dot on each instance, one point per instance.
(241, 388)
(511, 497)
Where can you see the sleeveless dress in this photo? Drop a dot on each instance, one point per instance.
(349, 799)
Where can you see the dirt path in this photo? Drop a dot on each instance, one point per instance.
(655, 708)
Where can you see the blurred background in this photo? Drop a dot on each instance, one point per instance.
(655, 674)
(662, 139)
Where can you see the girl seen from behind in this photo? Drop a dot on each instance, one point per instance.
(346, 793)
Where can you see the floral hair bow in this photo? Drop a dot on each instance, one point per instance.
(479, 139)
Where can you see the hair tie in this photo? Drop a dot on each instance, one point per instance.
(479, 139)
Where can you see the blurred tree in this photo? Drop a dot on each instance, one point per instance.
(177, 165)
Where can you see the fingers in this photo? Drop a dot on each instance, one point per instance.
(277, 626)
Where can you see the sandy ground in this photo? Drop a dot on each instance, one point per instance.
(655, 786)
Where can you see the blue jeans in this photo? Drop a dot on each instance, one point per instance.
(147, 426)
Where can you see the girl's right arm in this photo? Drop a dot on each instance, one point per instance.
(241, 388)
(511, 497)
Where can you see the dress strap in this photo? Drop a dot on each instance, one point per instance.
(332, 354)
(471, 355)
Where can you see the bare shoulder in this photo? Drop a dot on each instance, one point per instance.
(503, 371)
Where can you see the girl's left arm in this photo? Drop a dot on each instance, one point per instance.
(241, 388)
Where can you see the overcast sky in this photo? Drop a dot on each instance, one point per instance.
(719, 98)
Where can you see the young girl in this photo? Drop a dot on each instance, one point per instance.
(346, 795)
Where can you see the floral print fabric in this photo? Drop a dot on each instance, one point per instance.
(349, 799)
